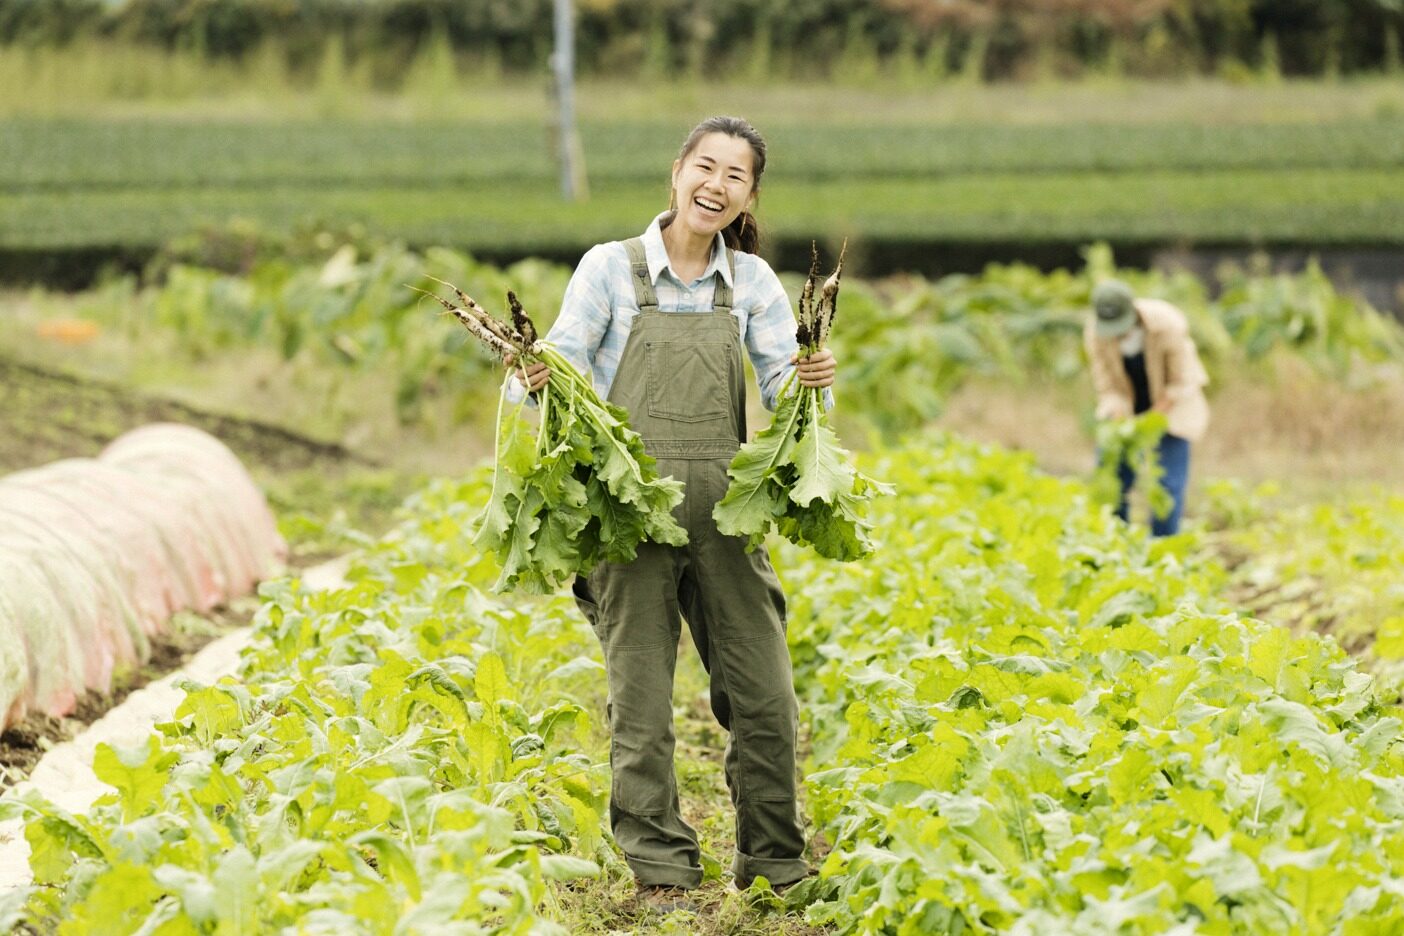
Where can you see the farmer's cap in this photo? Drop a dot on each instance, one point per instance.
(1114, 304)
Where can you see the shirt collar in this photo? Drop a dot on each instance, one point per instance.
(657, 255)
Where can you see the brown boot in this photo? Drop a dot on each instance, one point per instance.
(665, 899)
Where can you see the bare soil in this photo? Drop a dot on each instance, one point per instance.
(46, 415)
(1320, 439)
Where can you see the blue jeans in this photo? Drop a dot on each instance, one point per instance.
(1174, 458)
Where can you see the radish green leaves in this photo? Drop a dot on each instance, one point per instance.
(583, 490)
(794, 475)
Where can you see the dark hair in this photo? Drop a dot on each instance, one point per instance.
(742, 233)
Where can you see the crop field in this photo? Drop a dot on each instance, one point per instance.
(332, 339)
(1019, 714)
(1332, 207)
(1092, 167)
(1022, 715)
(83, 154)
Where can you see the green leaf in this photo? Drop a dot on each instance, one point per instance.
(196, 892)
(490, 682)
(278, 868)
(822, 472)
(56, 840)
(935, 764)
(138, 773)
(751, 502)
(212, 712)
(568, 868)
(393, 861)
(118, 901)
(1296, 724)
(236, 892)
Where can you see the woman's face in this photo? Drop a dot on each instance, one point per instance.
(713, 183)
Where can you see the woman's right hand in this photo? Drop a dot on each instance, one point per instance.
(533, 377)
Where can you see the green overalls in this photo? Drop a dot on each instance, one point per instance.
(682, 380)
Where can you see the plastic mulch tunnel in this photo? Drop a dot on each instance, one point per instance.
(97, 554)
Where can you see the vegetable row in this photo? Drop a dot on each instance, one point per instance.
(1025, 718)
(401, 754)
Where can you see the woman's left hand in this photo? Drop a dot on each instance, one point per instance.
(816, 370)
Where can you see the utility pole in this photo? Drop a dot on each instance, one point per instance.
(574, 186)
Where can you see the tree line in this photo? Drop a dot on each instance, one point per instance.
(979, 39)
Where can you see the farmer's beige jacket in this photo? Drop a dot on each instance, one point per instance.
(1173, 370)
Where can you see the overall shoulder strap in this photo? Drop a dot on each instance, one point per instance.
(643, 286)
(721, 294)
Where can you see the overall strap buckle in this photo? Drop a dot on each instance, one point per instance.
(644, 294)
(721, 294)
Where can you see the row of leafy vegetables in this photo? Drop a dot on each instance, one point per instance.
(1036, 721)
(1026, 718)
(405, 754)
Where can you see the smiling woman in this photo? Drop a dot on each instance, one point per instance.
(716, 180)
(660, 322)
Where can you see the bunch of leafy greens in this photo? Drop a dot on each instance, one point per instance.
(1135, 443)
(794, 475)
(582, 490)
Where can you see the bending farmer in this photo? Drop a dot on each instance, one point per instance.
(660, 322)
(1142, 358)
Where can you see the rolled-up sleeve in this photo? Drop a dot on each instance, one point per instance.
(770, 337)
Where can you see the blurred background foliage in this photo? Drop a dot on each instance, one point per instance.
(328, 314)
(390, 41)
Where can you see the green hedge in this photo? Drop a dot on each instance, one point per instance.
(1016, 38)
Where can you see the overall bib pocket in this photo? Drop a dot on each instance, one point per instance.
(704, 367)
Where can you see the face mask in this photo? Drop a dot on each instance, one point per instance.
(1133, 342)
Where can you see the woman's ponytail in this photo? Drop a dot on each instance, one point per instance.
(743, 233)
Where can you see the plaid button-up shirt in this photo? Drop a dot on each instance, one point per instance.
(599, 308)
